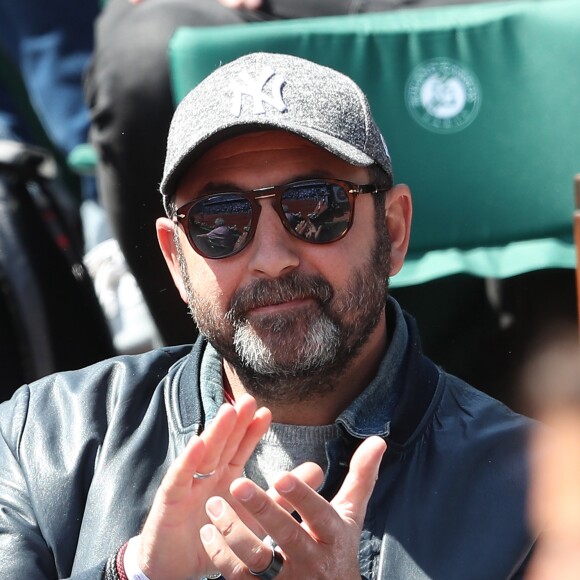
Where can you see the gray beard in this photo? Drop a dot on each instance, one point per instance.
(317, 349)
(285, 360)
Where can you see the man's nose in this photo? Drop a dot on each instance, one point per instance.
(273, 251)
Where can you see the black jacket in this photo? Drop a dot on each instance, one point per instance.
(82, 454)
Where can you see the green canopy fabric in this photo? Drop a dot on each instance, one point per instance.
(479, 105)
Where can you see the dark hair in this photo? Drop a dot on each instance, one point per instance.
(382, 180)
(171, 207)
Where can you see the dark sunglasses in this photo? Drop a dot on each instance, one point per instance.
(319, 211)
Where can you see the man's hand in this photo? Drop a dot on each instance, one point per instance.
(324, 545)
(170, 544)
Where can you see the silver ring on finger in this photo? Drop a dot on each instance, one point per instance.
(273, 568)
(198, 475)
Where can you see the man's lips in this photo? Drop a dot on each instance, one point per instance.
(280, 307)
(277, 297)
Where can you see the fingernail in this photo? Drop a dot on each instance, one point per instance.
(245, 492)
(207, 534)
(286, 484)
(215, 506)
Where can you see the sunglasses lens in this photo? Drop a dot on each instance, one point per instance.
(219, 224)
(317, 211)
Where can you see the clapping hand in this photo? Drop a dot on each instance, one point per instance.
(207, 518)
(170, 546)
(324, 545)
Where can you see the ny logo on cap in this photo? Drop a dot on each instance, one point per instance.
(254, 88)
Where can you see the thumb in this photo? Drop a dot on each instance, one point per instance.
(353, 496)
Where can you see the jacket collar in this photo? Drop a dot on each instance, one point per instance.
(372, 411)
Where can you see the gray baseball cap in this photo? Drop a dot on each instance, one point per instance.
(264, 90)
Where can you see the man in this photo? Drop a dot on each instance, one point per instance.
(218, 238)
(306, 371)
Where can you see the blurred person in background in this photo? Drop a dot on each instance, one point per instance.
(50, 45)
(50, 318)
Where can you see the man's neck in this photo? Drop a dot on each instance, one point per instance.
(325, 408)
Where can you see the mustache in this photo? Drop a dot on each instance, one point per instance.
(293, 286)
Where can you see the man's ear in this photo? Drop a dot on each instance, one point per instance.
(165, 227)
(398, 215)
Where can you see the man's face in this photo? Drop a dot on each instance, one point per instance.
(287, 314)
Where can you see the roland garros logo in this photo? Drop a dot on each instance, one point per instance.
(442, 95)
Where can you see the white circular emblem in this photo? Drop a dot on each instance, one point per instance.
(442, 95)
